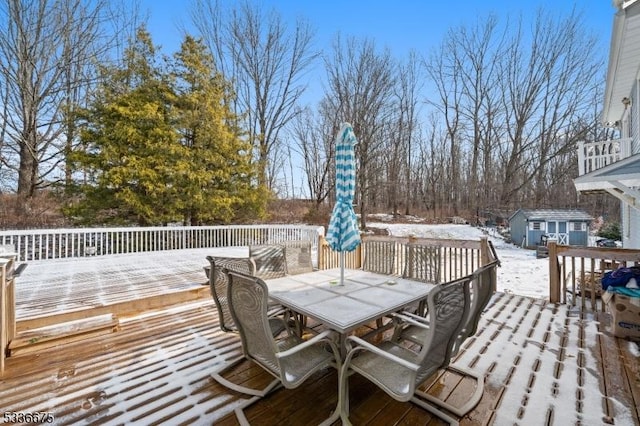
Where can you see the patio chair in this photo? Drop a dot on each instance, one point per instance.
(269, 260)
(399, 371)
(290, 360)
(218, 283)
(480, 290)
(379, 256)
(297, 255)
(422, 263)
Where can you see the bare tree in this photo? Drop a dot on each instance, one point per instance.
(316, 145)
(510, 106)
(430, 178)
(445, 74)
(46, 49)
(409, 86)
(476, 53)
(266, 62)
(105, 31)
(547, 88)
(360, 91)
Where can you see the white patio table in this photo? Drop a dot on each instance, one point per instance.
(364, 297)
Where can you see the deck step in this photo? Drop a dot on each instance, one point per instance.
(67, 332)
(542, 252)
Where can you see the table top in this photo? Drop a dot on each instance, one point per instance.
(364, 297)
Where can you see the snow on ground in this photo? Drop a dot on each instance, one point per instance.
(520, 271)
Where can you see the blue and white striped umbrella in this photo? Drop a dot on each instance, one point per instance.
(343, 234)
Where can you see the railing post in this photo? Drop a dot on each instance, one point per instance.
(320, 250)
(358, 253)
(554, 273)
(581, 158)
(484, 250)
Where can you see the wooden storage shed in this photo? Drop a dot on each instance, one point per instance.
(531, 227)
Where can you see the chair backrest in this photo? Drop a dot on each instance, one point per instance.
(447, 305)
(218, 283)
(298, 256)
(484, 279)
(249, 297)
(422, 263)
(269, 260)
(480, 291)
(379, 256)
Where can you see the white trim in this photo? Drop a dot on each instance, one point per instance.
(598, 180)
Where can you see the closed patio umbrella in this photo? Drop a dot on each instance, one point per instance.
(343, 234)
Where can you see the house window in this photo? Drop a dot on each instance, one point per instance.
(536, 226)
(578, 226)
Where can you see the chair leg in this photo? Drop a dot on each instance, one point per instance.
(275, 385)
(343, 394)
(217, 376)
(433, 410)
(470, 404)
(242, 419)
(333, 418)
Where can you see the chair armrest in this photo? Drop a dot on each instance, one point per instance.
(409, 319)
(275, 309)
(405, 314)
(364, 345)
(324, 337)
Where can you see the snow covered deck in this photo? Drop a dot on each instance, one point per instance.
(123, 284)
(544, 363)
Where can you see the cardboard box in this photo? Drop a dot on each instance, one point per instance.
(625, 314)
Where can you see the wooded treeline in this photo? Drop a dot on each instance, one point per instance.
(487, 120)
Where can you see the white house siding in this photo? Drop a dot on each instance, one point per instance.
(630, 217)
(630, 227)
(635, 119)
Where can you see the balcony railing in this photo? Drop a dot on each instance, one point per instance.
(453, 258)
(596, 155)
(65, 243)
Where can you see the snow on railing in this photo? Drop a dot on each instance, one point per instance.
(65, 243)
(595, 155)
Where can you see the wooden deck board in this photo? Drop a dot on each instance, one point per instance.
(47, 288)
(543, 364)
(155, 370)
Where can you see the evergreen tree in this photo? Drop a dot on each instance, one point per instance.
(131, 149)
(215, 175)
(161, 146)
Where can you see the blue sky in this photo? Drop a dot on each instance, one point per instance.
(401, 25)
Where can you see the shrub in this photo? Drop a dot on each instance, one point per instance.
(611, 231)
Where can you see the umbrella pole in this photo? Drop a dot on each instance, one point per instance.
(341, 268)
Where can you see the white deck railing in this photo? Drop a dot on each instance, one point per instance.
(595, 155)
(64, 243)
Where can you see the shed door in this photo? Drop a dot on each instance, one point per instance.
(558, 231)
(562, 227)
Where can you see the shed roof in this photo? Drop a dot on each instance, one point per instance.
(554, 214)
